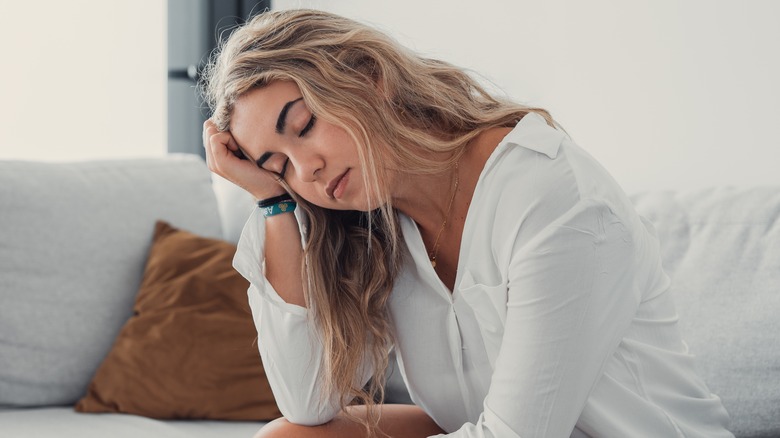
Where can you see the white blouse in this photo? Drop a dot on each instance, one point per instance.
(561, 322)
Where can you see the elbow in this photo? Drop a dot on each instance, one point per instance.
(308, 414)
(307, 421)
(306, 418)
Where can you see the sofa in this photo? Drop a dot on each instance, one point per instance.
(83, 248)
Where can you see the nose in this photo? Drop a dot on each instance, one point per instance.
(307, 165)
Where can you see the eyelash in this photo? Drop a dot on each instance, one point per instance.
(308, 126)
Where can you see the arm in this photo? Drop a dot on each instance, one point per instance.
(571, 296)
(283, 250)
(269, 256)
(288, 344)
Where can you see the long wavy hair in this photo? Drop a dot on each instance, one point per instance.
(398, 107)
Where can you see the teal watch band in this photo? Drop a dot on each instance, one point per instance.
(279, 208)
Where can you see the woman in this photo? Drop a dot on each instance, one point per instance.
(522, 294)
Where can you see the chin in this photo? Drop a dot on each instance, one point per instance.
(354, 202)
(365, 205)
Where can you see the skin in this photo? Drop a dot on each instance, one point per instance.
(312, 155)
(316, 159)
(397, 421)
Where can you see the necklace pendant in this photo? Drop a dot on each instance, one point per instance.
(432, 255)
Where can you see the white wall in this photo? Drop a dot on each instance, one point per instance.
(82, 79)
(665, 93)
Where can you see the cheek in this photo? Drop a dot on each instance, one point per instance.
(339, 144)
(310, 192)
(306, 191)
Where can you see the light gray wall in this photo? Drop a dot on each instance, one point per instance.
(665, 93)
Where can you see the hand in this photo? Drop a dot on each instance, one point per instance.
(224, 158)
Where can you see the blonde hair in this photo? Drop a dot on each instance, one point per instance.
(359, 79)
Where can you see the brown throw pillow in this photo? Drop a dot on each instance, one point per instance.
(189, 350)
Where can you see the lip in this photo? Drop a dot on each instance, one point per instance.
(334, 183)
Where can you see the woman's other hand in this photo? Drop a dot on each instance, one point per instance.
(225, 158)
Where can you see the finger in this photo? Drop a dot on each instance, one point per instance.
(224, 156)
(209, 124)
(218, 152)
(209, 155)
(222, 143)
(206, 136)
(209, 129)
(216, 149)
(233, 146)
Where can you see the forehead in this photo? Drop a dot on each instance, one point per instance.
(261, 106)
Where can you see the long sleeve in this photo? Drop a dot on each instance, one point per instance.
(571, 296)
(289, 346)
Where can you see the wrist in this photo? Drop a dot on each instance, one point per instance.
(275, 200)
(259, 197)
(276, 205)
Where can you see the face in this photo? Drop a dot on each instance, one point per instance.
(274, 128)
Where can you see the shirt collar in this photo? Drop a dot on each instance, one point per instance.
(533, 132)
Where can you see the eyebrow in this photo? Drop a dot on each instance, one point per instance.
(282, 120)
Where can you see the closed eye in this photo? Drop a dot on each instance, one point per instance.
(284, 168)
(273, 162)
(263, 158)
(308, 126)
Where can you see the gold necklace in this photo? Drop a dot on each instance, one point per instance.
(435, 251)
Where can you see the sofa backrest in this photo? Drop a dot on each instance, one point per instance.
(235, 205)
(73, 244)
(722, 249)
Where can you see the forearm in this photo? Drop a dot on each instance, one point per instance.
(292, 354)
(283, 257)
(292, 358)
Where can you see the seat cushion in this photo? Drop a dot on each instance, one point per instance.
(65, 422)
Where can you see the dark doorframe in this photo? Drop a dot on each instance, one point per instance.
(193, 29)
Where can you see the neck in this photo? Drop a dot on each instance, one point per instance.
(426, 198)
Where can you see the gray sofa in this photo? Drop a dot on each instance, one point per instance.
(74, 239)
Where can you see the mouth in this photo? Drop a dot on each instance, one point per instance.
(335, 187)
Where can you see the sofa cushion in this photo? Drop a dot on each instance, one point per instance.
(73, 242)
(65, 422)
(722, 249)
(189, 349)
